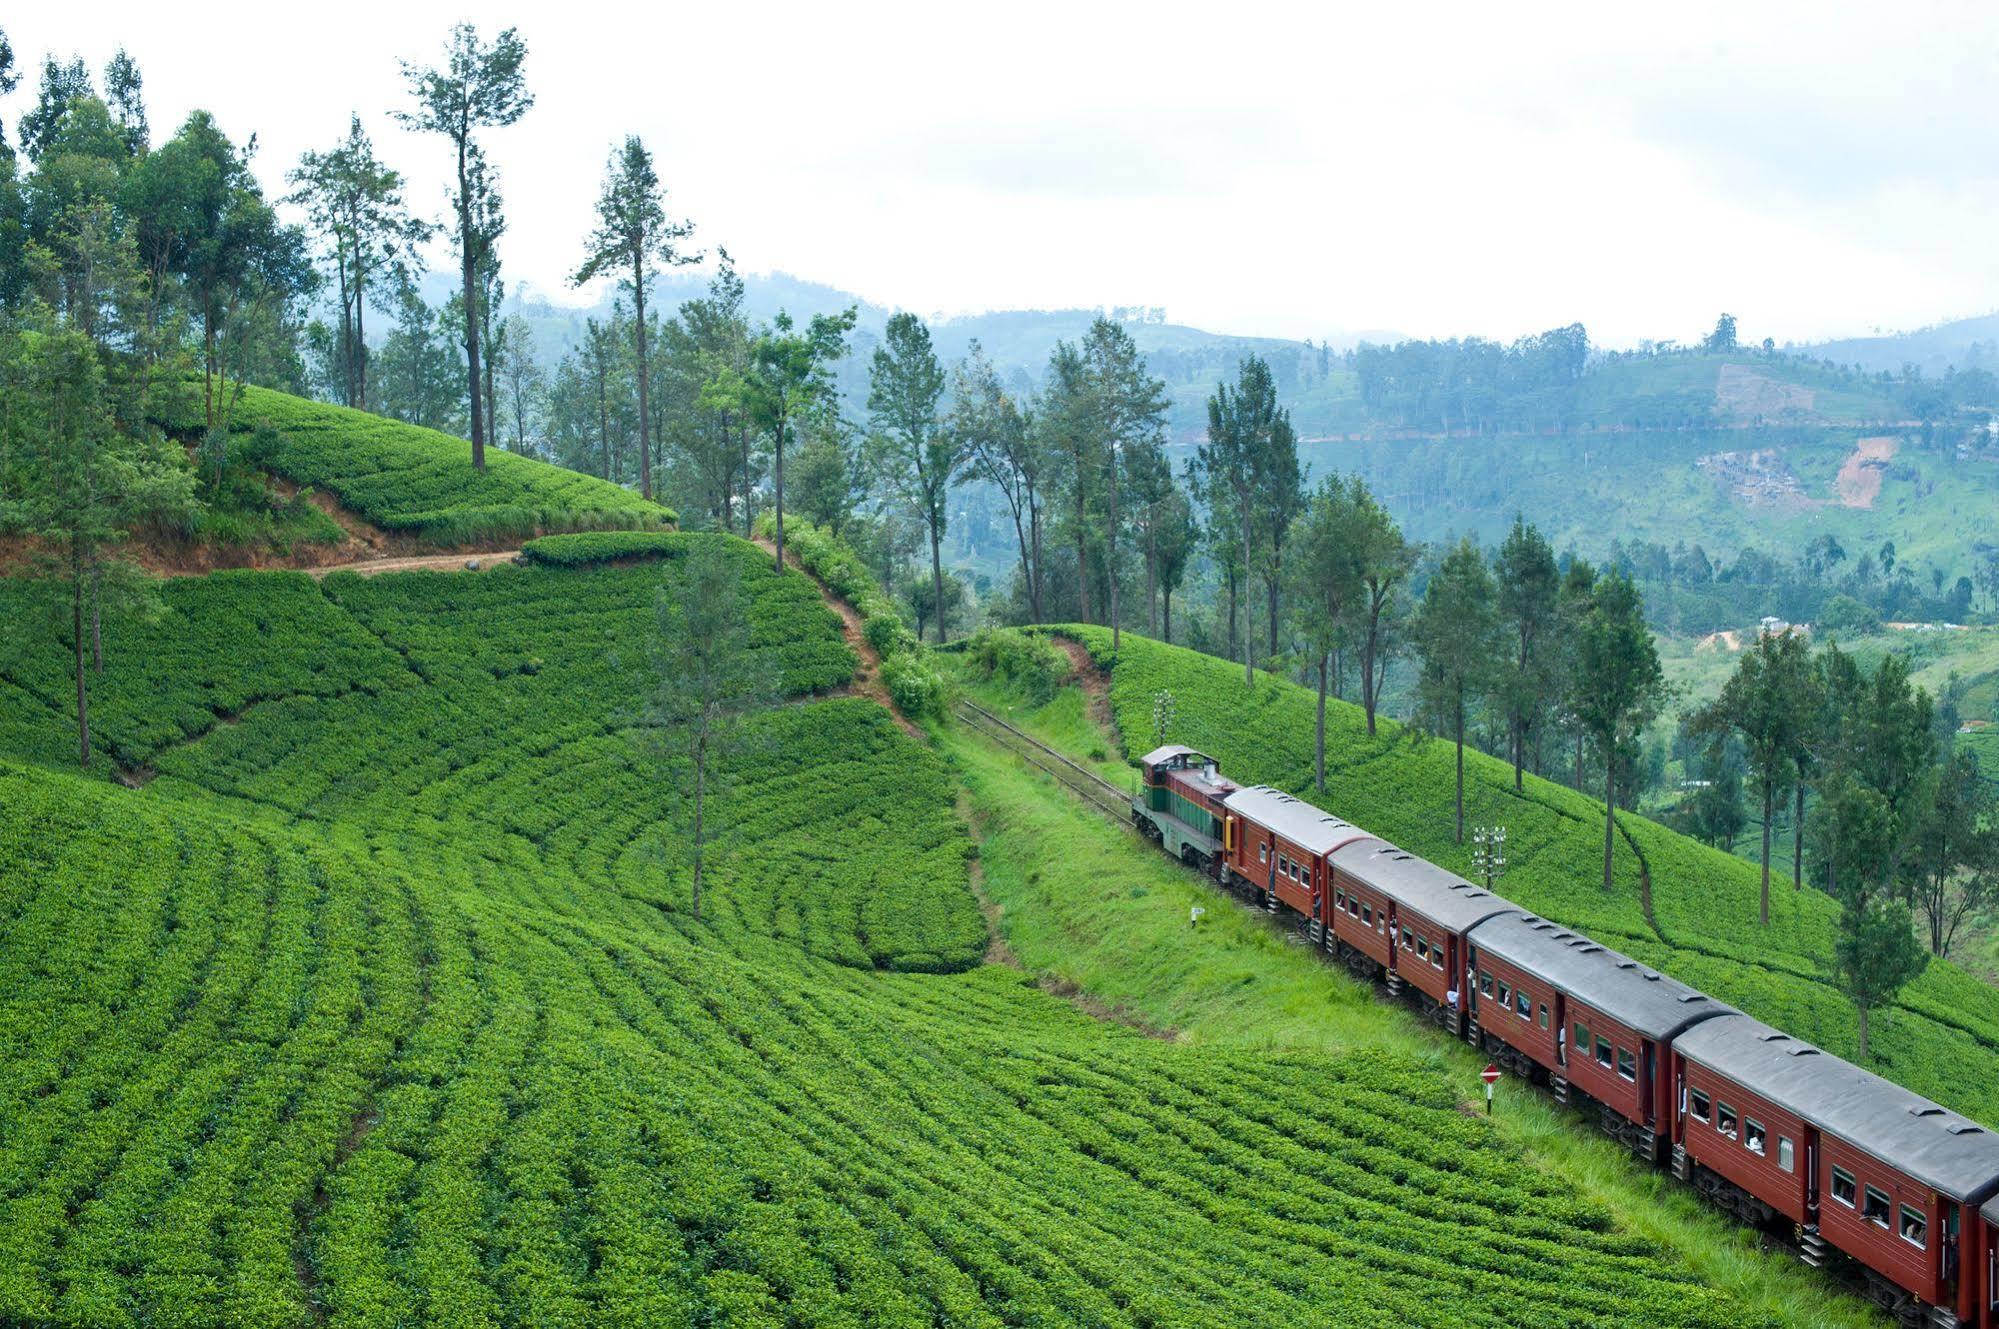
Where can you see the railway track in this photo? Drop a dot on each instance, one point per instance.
(1098, 792)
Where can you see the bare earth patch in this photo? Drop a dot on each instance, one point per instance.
(1741, 393)
(1859, 481)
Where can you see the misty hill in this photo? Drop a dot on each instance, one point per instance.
(1966, 343)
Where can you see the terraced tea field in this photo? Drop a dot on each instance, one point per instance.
(381, 1003)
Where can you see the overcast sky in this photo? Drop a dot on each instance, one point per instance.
(1294, 171)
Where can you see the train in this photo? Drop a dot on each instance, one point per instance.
(1850, 1170)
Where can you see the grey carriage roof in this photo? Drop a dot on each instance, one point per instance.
(1991, 1211)
(1956, 1156)
(1311, 829)
(1168, 753)
(1620, 987)
(1420, 884)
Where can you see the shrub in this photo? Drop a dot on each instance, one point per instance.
(585, 548)
(914, 684)
(1027, 660)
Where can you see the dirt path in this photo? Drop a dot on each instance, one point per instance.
(1859, 481)
(867, 678)
(1096, 688)
(369, 567)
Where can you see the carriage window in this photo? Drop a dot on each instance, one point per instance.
(1915, 1226)
(1353, 905)
(1703, 1108)
(1263, 853)
(1367, 914)
(1875, 1209)
(1524, 1004)
(1752, 1135)
(1602, 1050)
(1843, 1186)
(1505, 995)
(1423, 947)
(1724, 1120)
(1436, 957)
(1484, 984)
(1785, 1157)
(1582, 1038)
(1544, 1015)
(1627, 1066)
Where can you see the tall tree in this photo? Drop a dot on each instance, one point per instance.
(1529, 586)
(477, 87)
(1280, 498)
(1765, 703)
(1128, 411)
(632, 235)
(708, 683)
(125, 96)
(10, 79)
(791, 376)
(1327, 573)
(1574, 604)
(1071, 443)
(1458, 637)
(919, 455)
(1618, 686)
(88, 480)
(1955, 867)
(354, 202)
(1385, 559)
(1007, 451)
(1241, 422)
(61, 85)
(1875, 951)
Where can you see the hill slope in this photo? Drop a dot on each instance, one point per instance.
(1941, 1039)
(417, 482)
(383, 1004)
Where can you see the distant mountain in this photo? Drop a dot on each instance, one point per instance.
(1963, 344)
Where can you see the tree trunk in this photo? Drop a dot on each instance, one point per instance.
(469, 254)
(777, 472)
(1460, 735)
(1271, 587)
(1769, 801)
(1151, 582)
(1861, 1009)
(1609, 816)
(1798, 839)
(1083, 568)
(1319, 734)
(360, 352)
(936, 576)
(1249, 633)
(1034, 581)
(97, 619)
(1166, 604)
(1026, 569)
(1232, 614)
(1579, 761)
(76, 637)
(603, 416)
(1111, 559)
(645, 416)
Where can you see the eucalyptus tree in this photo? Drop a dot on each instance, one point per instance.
(355, 203)
(479, 86)
(1618, 687)
(62, 85)
(1128, 415)
(1327, 584)
(1070, 444)
(1458, 637)
(1009, 452)
(632, 235)
(919, 454)
(1766, 703)
(1241, 420)
(1529, 591)
(1385, 559)
(125, 96)
(790, 375)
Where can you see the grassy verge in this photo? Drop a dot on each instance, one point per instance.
(1083, 904)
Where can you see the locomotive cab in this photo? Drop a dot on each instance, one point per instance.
(1180, 805)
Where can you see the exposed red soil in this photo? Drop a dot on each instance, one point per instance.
(1096, 686)
(867, 678)
(1859, 481)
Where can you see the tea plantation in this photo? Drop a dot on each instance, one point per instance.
(382, 1003)
(417, 482)
(1941, 1038)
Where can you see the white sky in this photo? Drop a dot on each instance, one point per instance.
(1286, 170)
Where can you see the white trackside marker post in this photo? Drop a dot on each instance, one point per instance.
(1491, 1077)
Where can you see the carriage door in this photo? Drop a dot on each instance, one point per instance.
(1651, 1073)
(1947, 1212)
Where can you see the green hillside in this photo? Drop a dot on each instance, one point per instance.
(382, 1004)
(417, 482)
(1941, 1039)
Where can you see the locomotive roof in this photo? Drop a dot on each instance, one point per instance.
(1420, 884)
(1312, 829)
(1169, 752)
(1620, 987)
(1952, 1154)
